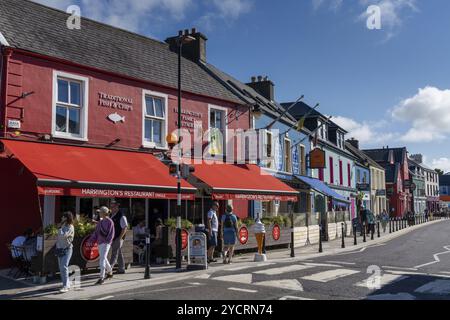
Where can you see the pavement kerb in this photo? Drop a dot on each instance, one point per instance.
(136, 284)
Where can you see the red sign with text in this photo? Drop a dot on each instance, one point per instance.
(276, 232)
(243, 235)
(89, 250)
(184, 239)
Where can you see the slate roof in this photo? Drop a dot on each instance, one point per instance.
(362, 155)
(382, 155)
(33, 27)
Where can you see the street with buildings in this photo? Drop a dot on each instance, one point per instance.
(158, 132)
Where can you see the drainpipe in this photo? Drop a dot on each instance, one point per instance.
(6, 55)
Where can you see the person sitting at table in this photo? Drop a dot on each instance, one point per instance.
(19, 242)
(139, 231)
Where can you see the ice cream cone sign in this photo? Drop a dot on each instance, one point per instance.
(260, 232)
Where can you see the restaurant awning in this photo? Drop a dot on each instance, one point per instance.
(64, 170)
(243, 182)
(321, 187)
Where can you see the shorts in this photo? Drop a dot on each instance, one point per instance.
(212, 241)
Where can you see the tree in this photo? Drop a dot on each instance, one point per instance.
(439, 171)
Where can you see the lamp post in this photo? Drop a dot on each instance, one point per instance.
(182, 39)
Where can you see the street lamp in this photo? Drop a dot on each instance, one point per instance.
(182, 39)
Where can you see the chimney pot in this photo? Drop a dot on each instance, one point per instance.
(180, 33)
(186, 32)
(193, 31)
(266, 78)
(260, 78)
(253, 79)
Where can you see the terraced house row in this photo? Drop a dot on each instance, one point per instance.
(85, 115)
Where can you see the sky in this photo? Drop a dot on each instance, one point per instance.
(384, 78)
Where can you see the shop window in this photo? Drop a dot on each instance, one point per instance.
(287, 156)
(217, 130)
(70, 104)
(155, 122)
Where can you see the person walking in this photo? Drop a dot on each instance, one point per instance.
(384, 220)
(104, 235)
(213, 229)
(120, 231)
(64, 249)
(229, 232)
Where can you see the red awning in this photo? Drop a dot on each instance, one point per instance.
(243, 182)
(98, 173)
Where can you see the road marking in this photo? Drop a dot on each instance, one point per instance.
(342, 262)
(203, 276)
(243, 290)
(240, 278)
(330, 275)
(281, 270)
(322, 265)
(194, 283)
(385, 279)
(411, 273)
(439, 287)
(288, 284)
(436, 258)
(248, 267)
(399, 268)
(105, 298)
(294, 298)
(387, 297)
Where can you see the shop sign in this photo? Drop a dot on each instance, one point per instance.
(295, 161)
(115, 102)
(197, 251)
(381, 193)
(89, 249)
(407, 184)
(276, 232)
(253, 197)
(243, 235)
(317, 159)
(189, 119)
(14, 124)
(363, 186)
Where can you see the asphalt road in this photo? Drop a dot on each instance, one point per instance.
(413, 266)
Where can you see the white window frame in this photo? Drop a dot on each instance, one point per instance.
(225, 123)
(285, 166)
(165, 127)
(270, 163)
(84, 110)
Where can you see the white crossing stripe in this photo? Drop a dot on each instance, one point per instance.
(399, 268)
(248, 267)
(385, 279)
(203, 276)
(281, 270)
(438, 287)
(294, 298)
(342, 262)
(330, 275)
(194, 283)
(239, 278)
(288, 284)
(322, 265)
(243, 290)
(105, 298)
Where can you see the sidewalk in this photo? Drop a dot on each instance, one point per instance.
(134, 278)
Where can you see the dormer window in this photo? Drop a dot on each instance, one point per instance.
(323, 134)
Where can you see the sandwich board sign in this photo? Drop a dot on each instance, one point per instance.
(197, 252)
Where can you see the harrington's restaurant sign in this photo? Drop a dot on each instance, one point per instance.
(115, 102)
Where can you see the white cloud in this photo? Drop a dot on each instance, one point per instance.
(232, 8)
(441, 163)
(428, 113)
(367, 133)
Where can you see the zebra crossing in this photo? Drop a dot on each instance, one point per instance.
(298, 278)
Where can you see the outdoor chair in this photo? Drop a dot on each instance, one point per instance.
(20, 261)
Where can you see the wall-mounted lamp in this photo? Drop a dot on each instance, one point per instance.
(257, 111)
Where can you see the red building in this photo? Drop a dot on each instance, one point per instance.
(90, 103)
(398, 180)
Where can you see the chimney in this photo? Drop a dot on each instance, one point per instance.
(417, 158)
(194, 50)
(263, 86)
(354, 143)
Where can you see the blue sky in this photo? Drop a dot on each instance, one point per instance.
(387, 87)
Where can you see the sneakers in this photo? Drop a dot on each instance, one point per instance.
(109, 276)
(100, 282)
(64, 290)
(212, 260)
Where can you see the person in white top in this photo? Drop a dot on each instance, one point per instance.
(19, 242)
(213, 228)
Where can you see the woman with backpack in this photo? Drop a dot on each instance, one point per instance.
(104, 235)
(229, 234)
(64, 249)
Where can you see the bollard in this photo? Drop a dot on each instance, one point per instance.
(378, 227)
(390, 225)
(343, 236)
(396, 224)
(364, 232)
(372, 231)
(147, 256)
(320, 239)
(355, 240)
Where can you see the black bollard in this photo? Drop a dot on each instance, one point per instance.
(364, 233)
(378, 227)
(396, 224)
(320, 239)
(355, 240)
(147, 256)
(372, 231)
(343, 236)
(390, 225)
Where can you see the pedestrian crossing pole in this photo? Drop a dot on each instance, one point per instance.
(320, 239)
(364, 232)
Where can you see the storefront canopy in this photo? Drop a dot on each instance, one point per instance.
(243, 182)
(63, 170)
(321, 187)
